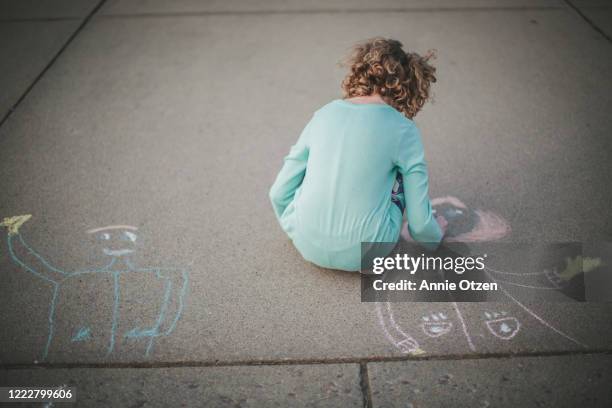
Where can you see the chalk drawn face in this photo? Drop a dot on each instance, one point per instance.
(465, 224)
(460, 219)
(116, 240)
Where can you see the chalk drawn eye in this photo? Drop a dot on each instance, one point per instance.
(130, 236)
(436, 325)
(106, 236)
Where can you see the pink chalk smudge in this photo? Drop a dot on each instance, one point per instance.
(489, 226)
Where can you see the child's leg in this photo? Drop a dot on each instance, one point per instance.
(397, 194)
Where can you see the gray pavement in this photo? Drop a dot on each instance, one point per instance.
(173, 117)
(598, 13)
(32, 33)
(45, 9)
(29, 46)
(569, 381)
(329, 385)
(140, 7)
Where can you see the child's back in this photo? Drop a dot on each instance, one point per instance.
(334, 190)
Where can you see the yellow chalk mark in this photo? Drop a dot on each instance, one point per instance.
(13, 223)
(579, 265)
(417, 352)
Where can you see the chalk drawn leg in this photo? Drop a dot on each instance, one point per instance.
(466, 333)
(404, 342)
(83, 320)
(172, 304)
(504, 328)
(151, 312)
(436, 325)
(174, 298)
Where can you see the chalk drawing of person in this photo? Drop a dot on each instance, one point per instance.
(464, 225)
(475, 225)
(97, 310)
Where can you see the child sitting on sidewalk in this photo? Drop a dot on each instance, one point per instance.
(359, 162)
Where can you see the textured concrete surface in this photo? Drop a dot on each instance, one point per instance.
(177, 140)
(569, 381)
(45, 9)
(598, 12)
(177, 125)
(31, 34)
(275, 6)
(326, 385)
(27, 47)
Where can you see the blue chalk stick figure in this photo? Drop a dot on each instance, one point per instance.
(99, 309)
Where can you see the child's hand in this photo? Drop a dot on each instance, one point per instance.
(442, 223)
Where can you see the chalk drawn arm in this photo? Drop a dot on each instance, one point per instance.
(411, 164)
(25, 256)
(292, 173)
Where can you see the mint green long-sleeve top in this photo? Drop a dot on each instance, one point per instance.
(334, 189)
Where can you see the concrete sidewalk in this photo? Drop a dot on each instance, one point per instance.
(171, 119)
(562, 381)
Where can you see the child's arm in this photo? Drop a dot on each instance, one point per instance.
(422, 225)
(291, 175)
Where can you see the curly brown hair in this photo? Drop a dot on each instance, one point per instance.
(380, 66)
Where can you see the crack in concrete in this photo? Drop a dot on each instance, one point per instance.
(588, 20)
(306, 361)
(323, 11)
(38, 19)
(364, 383)
(52, 61)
